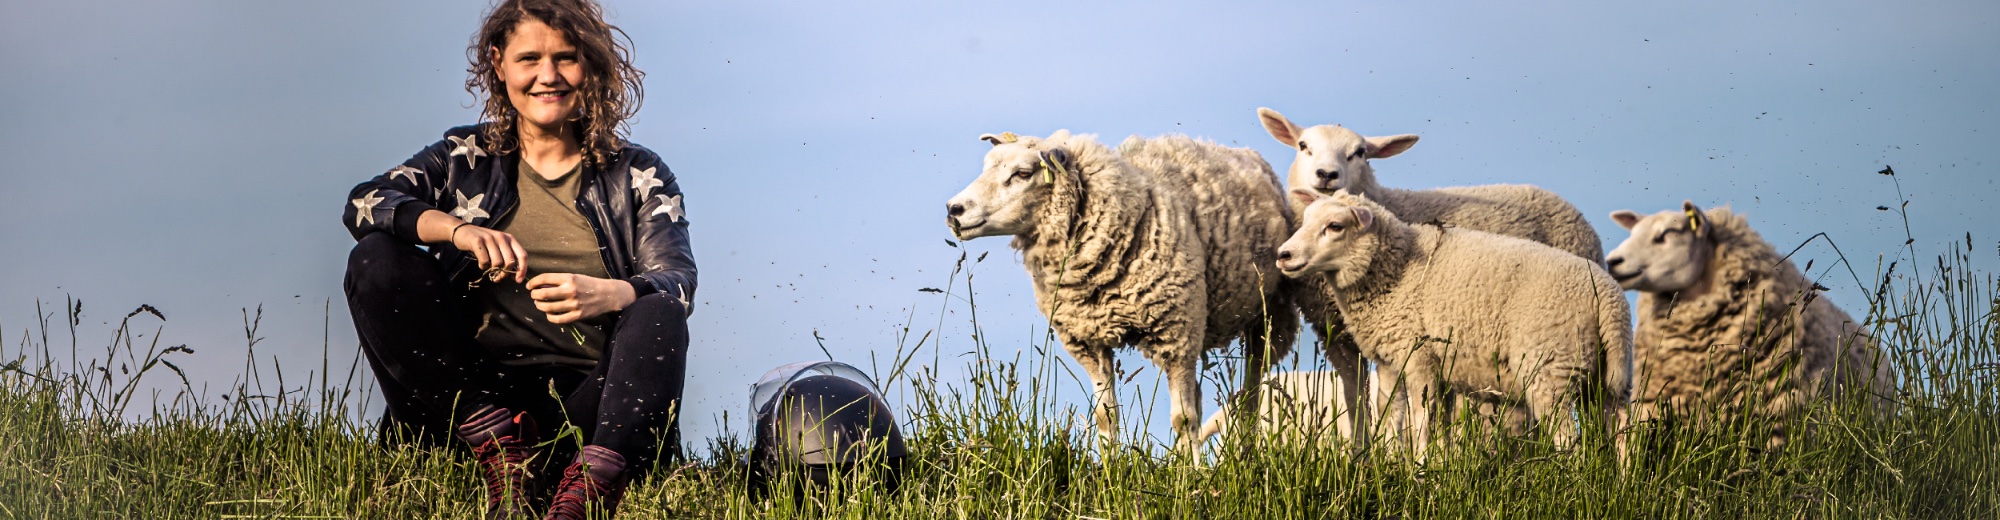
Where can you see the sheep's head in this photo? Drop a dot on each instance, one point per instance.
(1335, 232)
(1331, 157)
(1667, 252)
(1014, 184)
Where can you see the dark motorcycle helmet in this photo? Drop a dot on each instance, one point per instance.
(818, 421)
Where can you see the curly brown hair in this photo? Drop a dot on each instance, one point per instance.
(609, 94)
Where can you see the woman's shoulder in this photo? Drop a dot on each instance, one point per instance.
(638, 156)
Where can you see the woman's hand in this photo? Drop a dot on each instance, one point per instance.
(497, 252)
(500, 256)
(569, 298)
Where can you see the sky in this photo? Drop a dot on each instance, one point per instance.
(194, 155)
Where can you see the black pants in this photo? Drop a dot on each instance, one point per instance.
(418, 335)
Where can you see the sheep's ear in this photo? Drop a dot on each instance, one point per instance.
(1056, 159)
(1280, 128)
(1696, 220)
(1625, 218)
(1305, 195)
(1386, 147)
(1362, 217)
(997, 140)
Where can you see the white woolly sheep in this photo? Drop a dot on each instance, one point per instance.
(1302, 408)
(1727, 326)
(1333, 158)
(1495, 318)
(1164, 244)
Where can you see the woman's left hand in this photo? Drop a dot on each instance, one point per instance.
(569, 298)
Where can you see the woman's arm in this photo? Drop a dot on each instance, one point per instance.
(662, 251)
(394, 201)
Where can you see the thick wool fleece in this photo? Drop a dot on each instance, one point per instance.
(1514, 210)
(1759, 340)
(1167, 245)
(1496, 318)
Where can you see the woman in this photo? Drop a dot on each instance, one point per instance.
(555, 278)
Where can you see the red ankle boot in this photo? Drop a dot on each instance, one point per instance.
(504, 442)
(591, 487)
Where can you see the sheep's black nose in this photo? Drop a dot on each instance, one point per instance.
(1328, 174)
(1613, 261)
(955, 209)
(1284, 255)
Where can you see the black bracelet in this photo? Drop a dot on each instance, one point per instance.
(453, 238)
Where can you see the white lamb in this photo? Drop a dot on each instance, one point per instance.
(1728, 326)
(1164, 244)
(1333, 158)
(1300, 408)
(1494, 318)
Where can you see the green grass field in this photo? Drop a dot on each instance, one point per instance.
(1002, 446)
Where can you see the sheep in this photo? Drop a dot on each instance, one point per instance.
(1729, 327)
(1164, 244)
(1298, 408)
(1494, 318)
(1333, 158)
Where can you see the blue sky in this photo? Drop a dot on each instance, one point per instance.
(193, 155)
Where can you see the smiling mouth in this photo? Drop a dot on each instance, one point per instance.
(549, 96)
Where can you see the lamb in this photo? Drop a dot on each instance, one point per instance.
(1164, 244)
(1492, 317)
(1333, 158)
(1728, 327)
(1299, 408)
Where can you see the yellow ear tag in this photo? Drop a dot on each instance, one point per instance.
(1008, 137)
(1694, 221)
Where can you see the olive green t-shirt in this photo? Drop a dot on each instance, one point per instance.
(558, 240)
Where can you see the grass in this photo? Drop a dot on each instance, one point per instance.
(1000, 445)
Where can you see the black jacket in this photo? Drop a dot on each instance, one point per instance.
(633, 203)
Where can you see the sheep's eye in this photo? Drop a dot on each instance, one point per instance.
(1302, 146)
(1334, 227)
(1660, 238)
(1023, 174)
(1357, 153)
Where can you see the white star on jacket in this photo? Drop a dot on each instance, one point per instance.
(671, 206)
(405, 171)
(643, 181)
(469, 209)
(468, 147)
(366, 206)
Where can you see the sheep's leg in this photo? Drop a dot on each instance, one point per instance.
(1184, 387)
(1256, 358)
(1391, 399)
(1554, 405)
(1347, 363)
(1421, 395)
(1102, 367)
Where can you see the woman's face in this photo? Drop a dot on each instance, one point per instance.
(541, 72)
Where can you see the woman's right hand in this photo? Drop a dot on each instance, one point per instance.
(500, 256)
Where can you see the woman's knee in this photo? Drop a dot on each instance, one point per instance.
(657, 307)
(380, 261)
